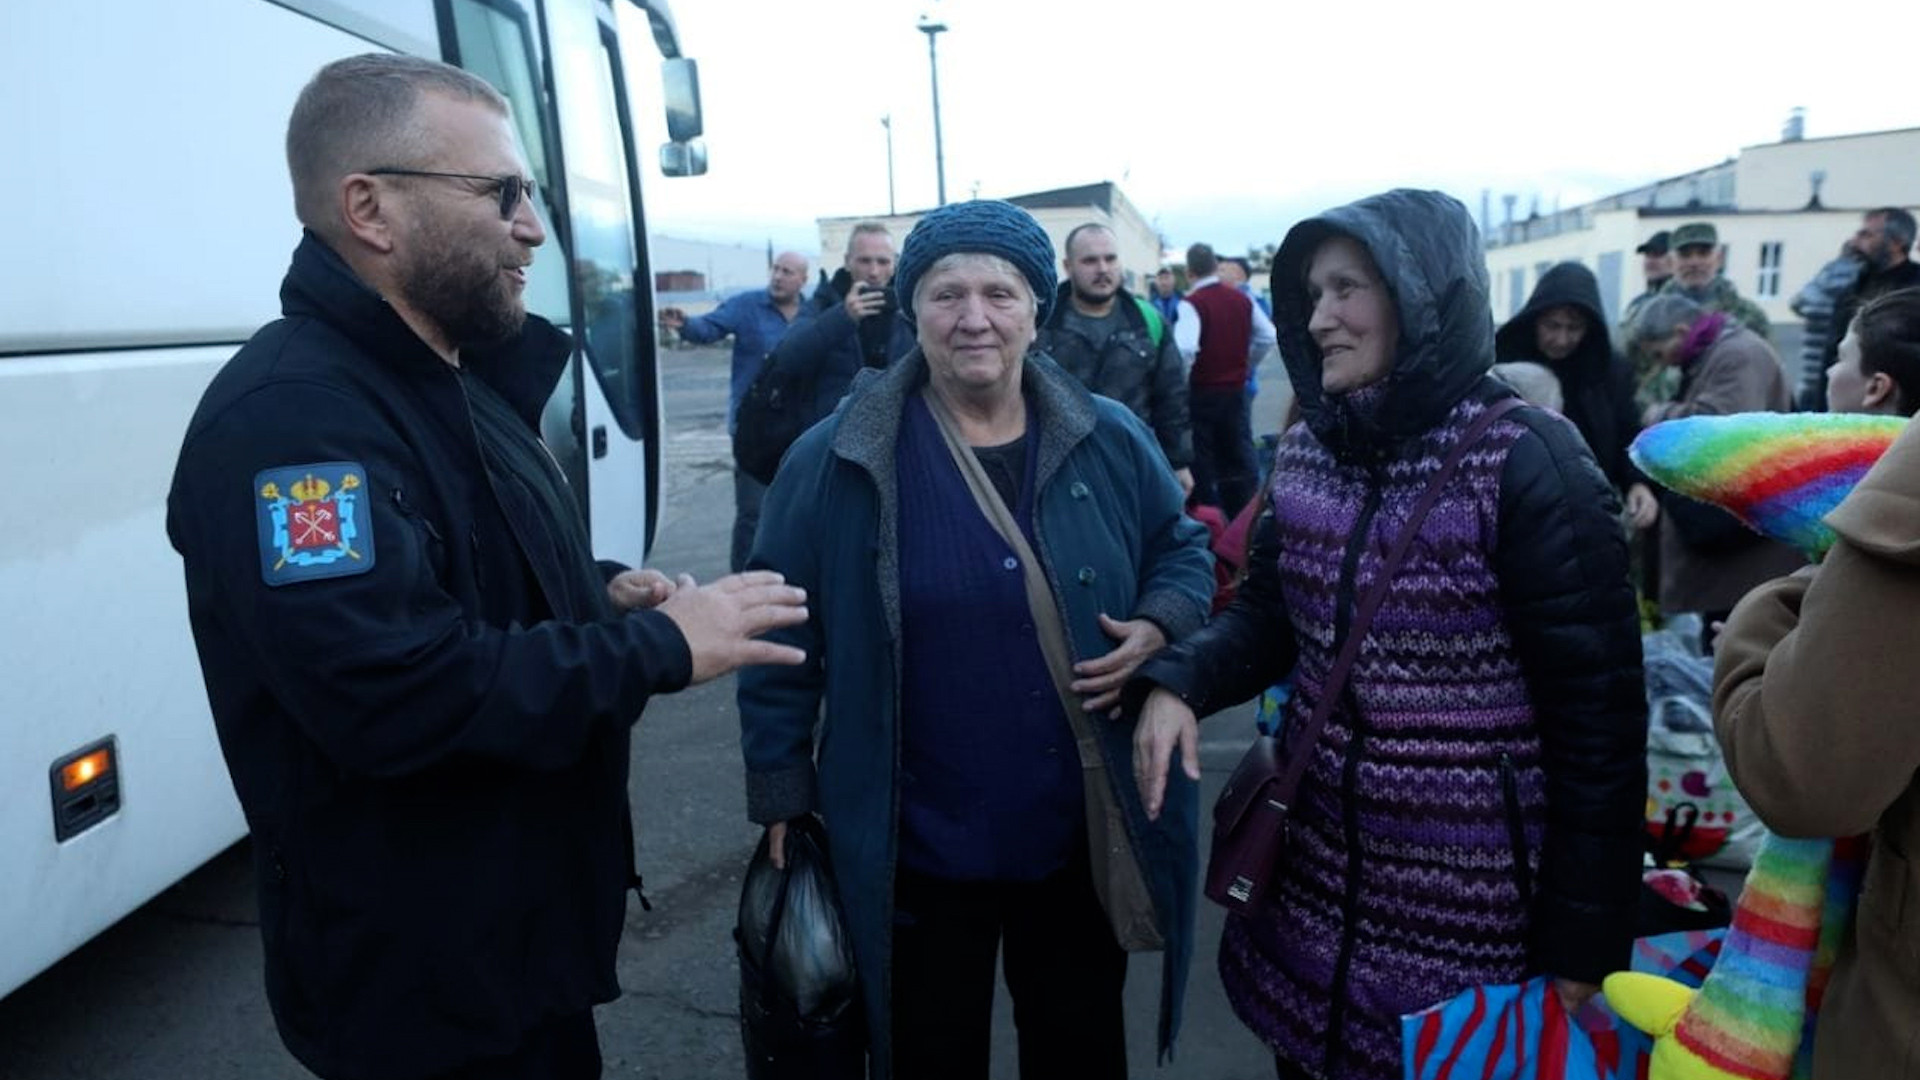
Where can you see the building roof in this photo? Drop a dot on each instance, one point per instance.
(1097, 195)
(1101, 196)
(1835, 138)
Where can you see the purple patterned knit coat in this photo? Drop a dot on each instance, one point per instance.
(1419, 764)
(1472, 812)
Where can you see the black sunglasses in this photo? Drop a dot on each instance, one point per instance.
(511, 188)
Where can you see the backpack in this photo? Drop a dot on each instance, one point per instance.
(1156, 326)
(777, 409)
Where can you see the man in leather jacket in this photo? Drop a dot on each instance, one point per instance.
(1117, 345)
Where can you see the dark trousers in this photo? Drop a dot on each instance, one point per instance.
(1224, 473)
(747, 493)
(562, 1048)
(1064, 972)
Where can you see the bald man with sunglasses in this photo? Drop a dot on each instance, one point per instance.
(422, 681)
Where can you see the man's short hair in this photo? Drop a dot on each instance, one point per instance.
(358, 114)
(1201, 261)
(1889, 331)
(1896, 225)
(867, 228)
(1663, 315)
(1066, 246)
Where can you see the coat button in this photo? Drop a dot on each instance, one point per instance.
(1086, 575)
(1079, 489)
(1011, 563)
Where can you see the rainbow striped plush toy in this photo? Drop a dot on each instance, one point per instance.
(1753, 1017)
(1780, 473)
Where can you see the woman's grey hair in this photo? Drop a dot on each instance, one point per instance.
(1663, 315)
(1533, 382)
(964, 258)
(358, 114)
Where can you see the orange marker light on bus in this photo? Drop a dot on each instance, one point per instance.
(82, 771)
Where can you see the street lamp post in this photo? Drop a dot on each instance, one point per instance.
(933, 28)
(887, 122)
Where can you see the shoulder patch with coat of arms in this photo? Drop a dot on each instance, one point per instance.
(314, 522)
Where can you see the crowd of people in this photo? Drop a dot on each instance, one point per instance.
(1473, 806)
(974, 616)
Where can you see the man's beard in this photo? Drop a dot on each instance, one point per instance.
(463, 291)
(1095, 299)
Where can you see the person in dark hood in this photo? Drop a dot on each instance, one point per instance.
(1563, 328)
(1470, 813)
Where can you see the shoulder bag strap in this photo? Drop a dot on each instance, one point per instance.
(1370, 604)
(1118, 878)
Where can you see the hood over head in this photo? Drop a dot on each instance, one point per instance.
(1566, 284)
(1428, 252)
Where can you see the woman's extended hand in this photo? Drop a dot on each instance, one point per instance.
(1643, 507)
(1574, 994)
(1101, 678)
(1165, 720)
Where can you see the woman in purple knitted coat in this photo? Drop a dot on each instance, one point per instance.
(1471, 812)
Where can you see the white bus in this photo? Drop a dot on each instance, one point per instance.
(151, 220)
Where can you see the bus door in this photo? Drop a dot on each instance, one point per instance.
(591, 279)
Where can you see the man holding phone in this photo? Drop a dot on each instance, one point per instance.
(853, 321)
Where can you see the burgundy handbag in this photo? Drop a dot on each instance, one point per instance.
(1250, 817)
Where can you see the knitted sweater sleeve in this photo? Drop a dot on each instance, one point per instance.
(1562, 565)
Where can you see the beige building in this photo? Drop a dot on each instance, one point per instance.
(1782, 210)
(1059, 211)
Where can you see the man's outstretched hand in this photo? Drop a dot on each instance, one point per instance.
(722, 621)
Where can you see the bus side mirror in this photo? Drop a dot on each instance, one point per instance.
(683, 159)
(681, 79)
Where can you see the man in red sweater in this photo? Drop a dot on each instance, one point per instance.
(1220, 332)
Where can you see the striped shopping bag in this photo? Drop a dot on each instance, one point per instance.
(1520, 1033)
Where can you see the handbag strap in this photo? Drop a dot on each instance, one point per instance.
(1118, 880)
(1370, 603)
(1049, 627)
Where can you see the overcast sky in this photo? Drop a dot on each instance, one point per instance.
(1227, 121)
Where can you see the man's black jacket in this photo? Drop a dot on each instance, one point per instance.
(432, 752)
(1145, 375)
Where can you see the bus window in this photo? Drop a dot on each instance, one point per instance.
(494, 40)
(600, 204)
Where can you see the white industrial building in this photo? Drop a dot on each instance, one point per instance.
(1059, 211)
(1782, 211)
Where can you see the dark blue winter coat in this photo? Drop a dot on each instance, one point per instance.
(1110, 530)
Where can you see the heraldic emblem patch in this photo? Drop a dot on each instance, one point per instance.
(314, 522)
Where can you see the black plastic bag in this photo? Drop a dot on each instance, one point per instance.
(800, 1014)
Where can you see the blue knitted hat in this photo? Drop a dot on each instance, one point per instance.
(983, 226)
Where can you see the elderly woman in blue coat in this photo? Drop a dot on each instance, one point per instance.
(991, 552)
